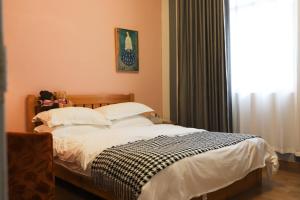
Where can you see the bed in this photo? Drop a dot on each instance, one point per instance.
(248, 177)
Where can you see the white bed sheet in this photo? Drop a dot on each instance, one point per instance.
(187, 178)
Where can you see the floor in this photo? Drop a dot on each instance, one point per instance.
(285, 185)
(65, 191)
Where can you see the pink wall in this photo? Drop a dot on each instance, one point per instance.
(69, 45)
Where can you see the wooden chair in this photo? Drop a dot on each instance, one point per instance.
(30, 166)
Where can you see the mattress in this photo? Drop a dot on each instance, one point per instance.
(77, 146)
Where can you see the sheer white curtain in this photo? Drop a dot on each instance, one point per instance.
(265, 71)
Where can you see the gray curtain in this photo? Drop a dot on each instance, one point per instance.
(203, 95)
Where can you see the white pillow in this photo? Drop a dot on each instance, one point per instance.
(137, 120)
(122, 110)
(71, 115)
(43, 129)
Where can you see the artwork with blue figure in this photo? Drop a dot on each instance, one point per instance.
(127, 50)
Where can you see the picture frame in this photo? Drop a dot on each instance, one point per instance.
(127, 50)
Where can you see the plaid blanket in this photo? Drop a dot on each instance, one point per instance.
(123, 170)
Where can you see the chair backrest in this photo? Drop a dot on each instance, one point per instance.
(30, 166)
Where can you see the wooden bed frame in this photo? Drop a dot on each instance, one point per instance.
(252, 180)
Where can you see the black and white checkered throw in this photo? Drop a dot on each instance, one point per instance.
(123, 170)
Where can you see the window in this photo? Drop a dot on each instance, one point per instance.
(263, 46)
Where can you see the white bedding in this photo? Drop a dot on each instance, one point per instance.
(187, 178)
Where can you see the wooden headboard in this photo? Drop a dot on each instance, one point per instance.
(90, 101)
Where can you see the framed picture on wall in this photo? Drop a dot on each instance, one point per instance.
(127, 50)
